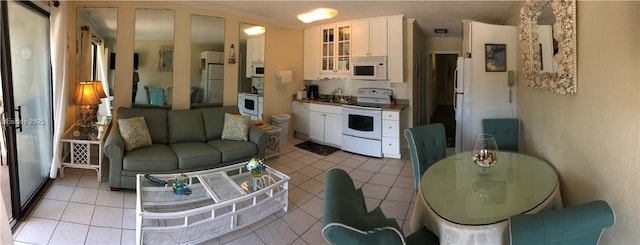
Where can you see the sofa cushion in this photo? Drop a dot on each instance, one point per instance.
(214, 120)
(156, 120)
(134, 133)
(195, 155)
(236, 127)
(157, 157)
(234, 150)
(185, 126)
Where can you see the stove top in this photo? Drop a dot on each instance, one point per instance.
(374, 97)
(372, 105)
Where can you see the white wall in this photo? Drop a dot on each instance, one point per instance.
(592, 138)
(489, 91)
(283, 51)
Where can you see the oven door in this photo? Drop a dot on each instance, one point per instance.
(362, 122)
(248, 105)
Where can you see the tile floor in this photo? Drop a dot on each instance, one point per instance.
(79, 210)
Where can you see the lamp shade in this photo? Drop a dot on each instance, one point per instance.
(97, 85)
(86, 94)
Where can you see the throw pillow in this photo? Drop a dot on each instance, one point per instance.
(135, 133)
(236, 127)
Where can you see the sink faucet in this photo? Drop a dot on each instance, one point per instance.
(339, 91)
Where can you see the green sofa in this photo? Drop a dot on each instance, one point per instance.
(346, 220)
(183, 141)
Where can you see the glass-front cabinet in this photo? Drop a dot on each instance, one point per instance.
(336, 50)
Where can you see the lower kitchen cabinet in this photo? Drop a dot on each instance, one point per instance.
(325, 124)
(391, 134)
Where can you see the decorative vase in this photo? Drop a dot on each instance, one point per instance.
(485, 152)
(256, 174)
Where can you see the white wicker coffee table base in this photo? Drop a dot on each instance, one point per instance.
(222, 200)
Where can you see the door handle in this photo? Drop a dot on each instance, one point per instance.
(18, 122)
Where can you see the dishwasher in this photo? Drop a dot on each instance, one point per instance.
(301, 120)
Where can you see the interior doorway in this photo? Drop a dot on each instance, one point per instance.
(444, 67)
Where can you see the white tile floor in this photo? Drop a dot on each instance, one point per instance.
(79, 210)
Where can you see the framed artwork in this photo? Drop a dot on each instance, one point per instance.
(495, 56)
(165, 58)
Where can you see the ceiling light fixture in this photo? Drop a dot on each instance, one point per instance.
(317, 14)
(256, 30)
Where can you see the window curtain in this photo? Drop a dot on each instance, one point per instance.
(105, 107)
(59, 53)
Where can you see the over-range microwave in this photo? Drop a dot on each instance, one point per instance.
(258, 68)
(369, 68)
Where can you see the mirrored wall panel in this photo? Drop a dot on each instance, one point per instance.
(207, 60)
(152, 79)
(251, 59)
(96, 48)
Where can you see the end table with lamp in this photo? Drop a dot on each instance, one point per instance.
(82, 143)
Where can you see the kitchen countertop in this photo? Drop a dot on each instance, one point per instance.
(399, 105)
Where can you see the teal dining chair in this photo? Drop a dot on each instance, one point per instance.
(427, 145)
(155, 96)
(346, 219)
(505, 131)
(582, 224)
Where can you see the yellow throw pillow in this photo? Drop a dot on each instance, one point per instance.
(236, 127)
(135, 133)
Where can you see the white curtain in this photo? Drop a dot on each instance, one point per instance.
(101, 67)
(59, 53)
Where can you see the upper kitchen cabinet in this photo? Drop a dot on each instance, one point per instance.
(335, 50)
(369, 37)
(255, 48)
(328, 49)
(312, 40)
(395, 48)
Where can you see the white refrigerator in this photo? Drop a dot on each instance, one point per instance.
(462, 81)
(211, 82)
(479, 95)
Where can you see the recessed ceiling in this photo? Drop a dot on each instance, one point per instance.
(428, 14)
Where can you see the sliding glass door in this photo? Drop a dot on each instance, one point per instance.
(26, 95)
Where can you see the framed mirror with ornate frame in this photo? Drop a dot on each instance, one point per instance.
(563, 77)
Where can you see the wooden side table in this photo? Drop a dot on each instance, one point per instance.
(82, 147)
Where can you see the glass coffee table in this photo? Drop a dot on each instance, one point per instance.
(221, 200)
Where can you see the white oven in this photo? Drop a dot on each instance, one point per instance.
(249, 104)
(362, 130)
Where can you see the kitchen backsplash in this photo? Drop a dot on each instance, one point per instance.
(350, 87)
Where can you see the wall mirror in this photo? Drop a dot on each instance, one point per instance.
(96, 41)
(250, 57)
(207, 60)
(153, 57)
(165, 58)
(559, 72)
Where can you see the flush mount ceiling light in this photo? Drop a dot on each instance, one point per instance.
(256, 30)
(317, 14)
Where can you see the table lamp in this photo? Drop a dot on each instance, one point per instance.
(87, 96)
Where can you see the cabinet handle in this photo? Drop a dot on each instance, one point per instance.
(389, 115)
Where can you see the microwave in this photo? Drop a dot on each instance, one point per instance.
(369, 68)
(257, 68)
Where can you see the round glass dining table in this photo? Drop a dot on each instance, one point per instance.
(463, 205)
